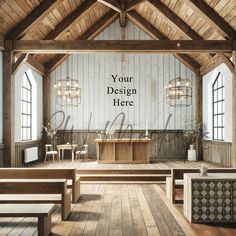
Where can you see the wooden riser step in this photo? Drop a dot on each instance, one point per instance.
(122, 182)
(123, 177)
(124, 171)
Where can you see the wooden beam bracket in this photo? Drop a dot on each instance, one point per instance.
(216, 61)
(122, 14)
(133, 4)
(113, 4)
(22, 58)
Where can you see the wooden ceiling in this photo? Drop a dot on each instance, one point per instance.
(80, 19)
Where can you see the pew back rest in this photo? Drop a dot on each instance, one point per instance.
(37, 173)
(179, 173)
(27, 186)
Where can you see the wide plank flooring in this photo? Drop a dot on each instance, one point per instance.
(119, 209)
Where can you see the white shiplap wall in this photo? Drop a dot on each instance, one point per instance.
(151, 73)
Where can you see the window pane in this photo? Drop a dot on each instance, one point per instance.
(26, 94)
(219, 120)
(218, 107)
(215, 96)
(215, 108)
(215, 133)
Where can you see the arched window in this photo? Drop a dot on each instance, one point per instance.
(218, 95)
(26, 108)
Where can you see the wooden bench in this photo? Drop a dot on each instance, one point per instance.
(177, 176)
(45, 173)
(42, 211)
(36, 191)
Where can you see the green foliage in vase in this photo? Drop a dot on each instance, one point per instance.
(192, 132)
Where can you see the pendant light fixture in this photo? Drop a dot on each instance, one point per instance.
(68, 90)
(179, 91)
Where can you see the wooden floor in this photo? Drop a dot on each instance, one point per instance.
(119, 209)
(91, 164)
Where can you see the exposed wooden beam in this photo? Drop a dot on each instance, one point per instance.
(113, 4)
(154, 33)
(234, 112)
(228, 63)
(90, 34)
(70, 19)
(8, 107)
(189, 62)
(211, 65)
(147, 46)
(122, 14)
(198, 104)
(214, 62)
(38, 13)
(146, 26)
(175, 20)
(100, 25)
(30, 61)
(2, 42)
(55, 62)
(46, 97)
(35, 65)
(213, 18)
(132, 4)
(22, 58)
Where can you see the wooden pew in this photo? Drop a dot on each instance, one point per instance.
(42, 211)
(36, 191)
(45, 173)
(177, 176)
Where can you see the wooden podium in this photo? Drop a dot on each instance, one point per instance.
(123, 150)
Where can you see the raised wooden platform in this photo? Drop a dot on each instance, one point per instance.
(91, 171)
(92, 164)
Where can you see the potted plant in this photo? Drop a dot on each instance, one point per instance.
(192, 134)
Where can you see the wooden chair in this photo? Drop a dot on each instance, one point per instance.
(49, 152)
(83, 152)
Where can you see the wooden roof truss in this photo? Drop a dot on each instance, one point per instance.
(124, 10)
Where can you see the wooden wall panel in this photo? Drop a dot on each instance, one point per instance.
(151, 74)
(217, 152)
(21, 146)
(164, 144)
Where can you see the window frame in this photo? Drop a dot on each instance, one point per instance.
(218, 102)
(25, 115)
